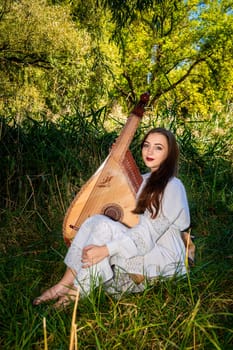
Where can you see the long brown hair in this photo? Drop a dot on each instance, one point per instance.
(151, 195)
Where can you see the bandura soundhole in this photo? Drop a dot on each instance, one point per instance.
(113, 211)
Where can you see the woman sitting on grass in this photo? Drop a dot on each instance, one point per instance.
(106, 251)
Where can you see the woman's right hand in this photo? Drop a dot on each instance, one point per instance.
(93, 254)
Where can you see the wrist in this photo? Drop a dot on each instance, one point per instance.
(105, 251)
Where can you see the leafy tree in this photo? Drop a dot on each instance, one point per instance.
(56, 54)
(186, 47)
(48, 63)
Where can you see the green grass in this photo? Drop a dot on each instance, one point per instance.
(43, 164)
(166, 316)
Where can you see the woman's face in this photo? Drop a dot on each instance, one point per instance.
(154, 150)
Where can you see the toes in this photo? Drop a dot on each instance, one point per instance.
(58, 291)
(62, 303)
(65, 300)
(37, 301)
(49, 294)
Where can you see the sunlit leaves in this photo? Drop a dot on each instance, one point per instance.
(62, 51)
(46, 55)
(194, 48)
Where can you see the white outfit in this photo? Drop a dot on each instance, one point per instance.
(153, 247)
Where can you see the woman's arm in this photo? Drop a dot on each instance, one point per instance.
(124, 246)
(93, 254)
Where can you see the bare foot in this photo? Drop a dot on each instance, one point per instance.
(52, 293)
(67, 298)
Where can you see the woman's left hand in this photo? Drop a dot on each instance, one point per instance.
(92, 254)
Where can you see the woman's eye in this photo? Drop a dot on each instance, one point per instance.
(145, 145)
(152, 147)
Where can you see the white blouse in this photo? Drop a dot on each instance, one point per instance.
(174, 214)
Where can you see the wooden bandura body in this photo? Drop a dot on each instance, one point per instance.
(111, 191)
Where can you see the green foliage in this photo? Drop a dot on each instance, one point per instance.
(184, 46)
(189, 38)
(56, 53)
(36, 151)
(48, 62)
